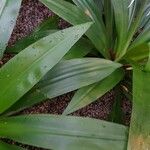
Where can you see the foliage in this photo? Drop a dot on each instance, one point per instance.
(51, 62)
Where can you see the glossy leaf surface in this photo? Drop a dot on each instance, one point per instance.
(46, 28)
(8, 15)
(68, 76)
(138, 53)
(66, 10)
(89, 94)
(121, 21)
(80, 49)
(64, 133)
(147, 66)
(139, 138)
(23, 71)
(4, 146)
(75, 15)
(116, 114)
(98, 31)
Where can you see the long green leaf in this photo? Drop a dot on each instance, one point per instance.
(138, 53)
(48, 26)
(133, 26)
(73, 74)
(90, 8)
(64, 133)
(137, 17)
(22, 72)
(89, 94)
(74, 15)
(145, 23)
(116, 112)
(8, 15)
(4, 146)
(136, 20)
(2, 6)
(99, 4)
(147, 66)
(67, 11)
(27, 41)
(67, 76)
(121, 20)
(80, 49)
(139, 138)
(109, 21)
(132, 9)
(144, 37)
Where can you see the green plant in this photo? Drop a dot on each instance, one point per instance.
(119, 40)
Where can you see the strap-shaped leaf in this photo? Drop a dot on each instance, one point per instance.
(67, 76)
(89, 94)
(138, 53)
(8, 15)
(80, 49)
(116, 114)
(109, 21)
(132, 9)
(139, 49)
(145, 23)
(121, 20)
(27, 41)
(22, 72)
(99, 4)
(47, 27)
(74, 15)
(67, 11)
(3, 3)
(4, 146)
(144, 37)
(64, 133)
(138, 13)
(147, 67)
(133, 25)
(70, 75)
(90, 8)
(139, 138)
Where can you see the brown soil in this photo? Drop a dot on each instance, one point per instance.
(31, 14)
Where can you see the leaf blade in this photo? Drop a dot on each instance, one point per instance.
(98, 31)
(140, 123)
(48, 26)
(69, 132)
(44, 54)
(121, 21)
(67, 76)
(89, 94)
(5, 146)
(74, 15)
(8, 15)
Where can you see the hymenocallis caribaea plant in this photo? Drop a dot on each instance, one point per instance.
(118, 38)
